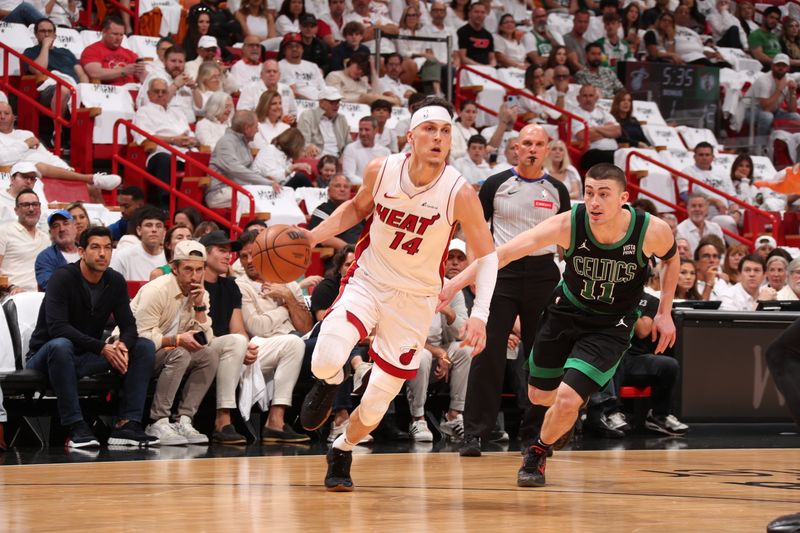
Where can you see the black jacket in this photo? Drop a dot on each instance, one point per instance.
(67, 311)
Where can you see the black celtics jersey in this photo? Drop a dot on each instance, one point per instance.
(605, 278)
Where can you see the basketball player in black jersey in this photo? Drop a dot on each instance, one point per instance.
(589, 322)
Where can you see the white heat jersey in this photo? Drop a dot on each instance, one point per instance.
(405, 241)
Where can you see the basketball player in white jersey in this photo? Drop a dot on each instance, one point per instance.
(412, 202)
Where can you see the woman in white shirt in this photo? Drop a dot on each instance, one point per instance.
(218, 111)
(508, 47)
(276, 161)
(209, 81)
(269, 111)
(558, 165)
(463, 129)
(255, 19)
(288, 20)
(531, 110)
(457, 13)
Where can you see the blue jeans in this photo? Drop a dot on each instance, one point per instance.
(64, 367)
(24, 13)
(764, 119)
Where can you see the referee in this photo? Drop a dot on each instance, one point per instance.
(513, 201)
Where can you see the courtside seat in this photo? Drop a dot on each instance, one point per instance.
(18, 380)
(634, 392)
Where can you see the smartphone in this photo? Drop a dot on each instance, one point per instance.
(512, 100)
(200, 337)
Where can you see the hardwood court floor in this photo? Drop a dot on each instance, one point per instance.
(608, 491)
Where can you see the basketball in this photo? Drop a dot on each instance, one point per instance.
(281, 253)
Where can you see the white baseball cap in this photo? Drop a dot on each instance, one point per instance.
(330, 93)
(781, 58)
(188, 250)
(207, 41)
(458, 244)
(766, 239)
(25, 167)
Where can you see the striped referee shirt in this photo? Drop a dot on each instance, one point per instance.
(513, 204)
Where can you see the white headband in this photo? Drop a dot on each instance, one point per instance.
(431, 112)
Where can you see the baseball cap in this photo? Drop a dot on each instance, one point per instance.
(308, 20)
(780, 58)
(218, 238)
(25, 167)
(188, 250)
(62, 213)
(766, 239)
(330, 93)
(293, 37)
(458, 244)
(207, 41)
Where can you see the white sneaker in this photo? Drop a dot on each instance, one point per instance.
(419, 431)
(166, 434)
(669, 425)
(453, 428)
(185, 428)
(338, 430)
(618, 421)
(106, 182)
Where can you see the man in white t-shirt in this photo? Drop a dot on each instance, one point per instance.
(269, 81)
(390, 84)
(63, 251)
(561, 94)
(23, 176)
(603, 128)
(20, 243)
(135, 263)
(304, 77)
(473, 165)
(772, 90)
(697, 225)
(179, 84)
(357, 155)
(713, 176)
(745, 295)
(248, 68)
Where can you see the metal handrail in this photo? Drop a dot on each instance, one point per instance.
(520, 92)
(675, 174)
(58, 120)
(175, 193)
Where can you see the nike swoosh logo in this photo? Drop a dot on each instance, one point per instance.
(512, 192)
(391, 197)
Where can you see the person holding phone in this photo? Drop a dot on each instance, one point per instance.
(172, 312)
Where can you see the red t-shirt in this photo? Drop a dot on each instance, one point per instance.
(108, 58)
(323, 30)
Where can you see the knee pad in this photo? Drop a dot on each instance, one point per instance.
(380, 392)
(336, 339)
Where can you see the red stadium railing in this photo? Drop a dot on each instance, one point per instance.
(126, 127)
(675, 174)
(58, 120)
(511, 90)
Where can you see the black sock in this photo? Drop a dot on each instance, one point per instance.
(542, 445)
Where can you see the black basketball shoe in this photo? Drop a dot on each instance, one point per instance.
(531, 473)
(338, 477)
(317, 405)
(785, 524)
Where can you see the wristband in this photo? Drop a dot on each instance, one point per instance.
(199, 308)
(485, 279)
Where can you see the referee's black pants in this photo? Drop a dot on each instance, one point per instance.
(523, 288)
(783, 359)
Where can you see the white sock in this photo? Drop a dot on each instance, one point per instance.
(341, 443)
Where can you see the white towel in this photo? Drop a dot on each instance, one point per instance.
(253, 389)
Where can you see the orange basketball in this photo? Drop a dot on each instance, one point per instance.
(281, 253)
